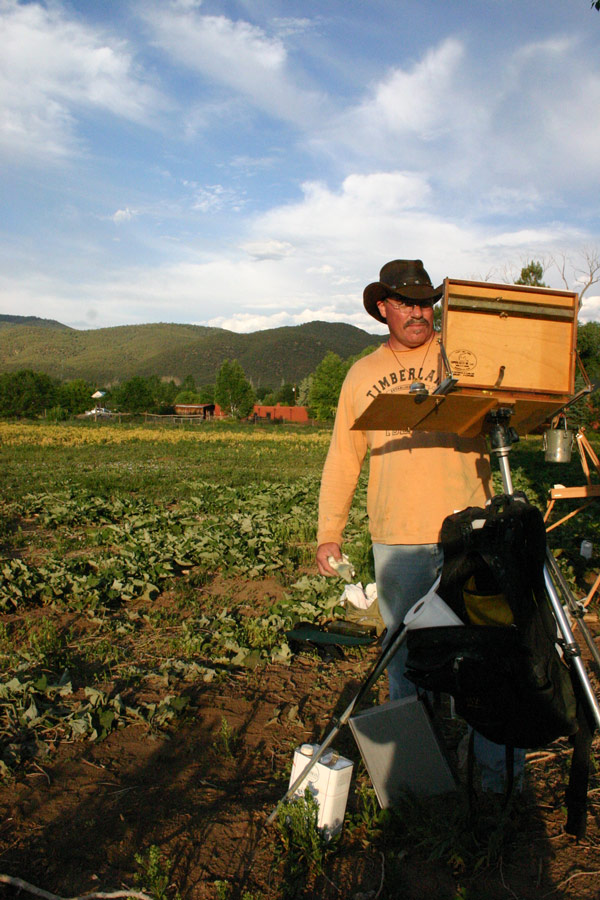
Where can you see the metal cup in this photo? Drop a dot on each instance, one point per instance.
(558, 444)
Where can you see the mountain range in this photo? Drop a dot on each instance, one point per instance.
(106, 356)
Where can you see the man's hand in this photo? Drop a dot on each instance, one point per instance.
(323, 552)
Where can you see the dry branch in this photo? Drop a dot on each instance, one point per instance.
(40, 892)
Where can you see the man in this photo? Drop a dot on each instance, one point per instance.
(416, 479)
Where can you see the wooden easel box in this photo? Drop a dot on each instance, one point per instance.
(516, 342)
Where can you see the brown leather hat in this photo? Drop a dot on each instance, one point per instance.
(403, 278)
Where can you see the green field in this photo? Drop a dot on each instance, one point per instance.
(128, 554)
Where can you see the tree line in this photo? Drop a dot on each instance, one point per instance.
(28, 393)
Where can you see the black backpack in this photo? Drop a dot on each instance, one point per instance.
(503, 667)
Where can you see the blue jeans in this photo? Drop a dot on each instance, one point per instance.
(404, 573)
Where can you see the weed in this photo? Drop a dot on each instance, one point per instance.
(49, 644)
(227, 743)
(450, 833)
(462, 893)
(102, 655)
(154, 873)
(302, 845)
(368, 819)
(159, 617)
(258, 634)
(9, 639)
(223, 890)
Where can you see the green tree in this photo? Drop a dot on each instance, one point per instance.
(74, 396)
(587, 411)
(303, 392)
(262, 392)
(233, 392)
(321, 390)
(366, 352)
(26, 393)
(134, 395)
(206, 393)
(532, 275)
(187, 397)
(588, 346)
(188, 383)
(326, 385)
(287, 395)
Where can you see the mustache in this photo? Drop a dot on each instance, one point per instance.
(417, 321)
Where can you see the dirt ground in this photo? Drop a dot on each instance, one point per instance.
(74, 823)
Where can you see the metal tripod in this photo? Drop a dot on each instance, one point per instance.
(502, 437)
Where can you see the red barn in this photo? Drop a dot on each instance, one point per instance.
(298, 414)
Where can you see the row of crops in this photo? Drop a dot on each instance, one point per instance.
(107, 592)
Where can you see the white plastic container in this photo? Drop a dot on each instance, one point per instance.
(586, 549)
(328, 782)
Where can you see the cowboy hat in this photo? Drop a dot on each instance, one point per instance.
(402, 278)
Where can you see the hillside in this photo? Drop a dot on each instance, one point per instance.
(109, 355)
(32, 321)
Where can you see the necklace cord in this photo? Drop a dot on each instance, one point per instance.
(401, 364)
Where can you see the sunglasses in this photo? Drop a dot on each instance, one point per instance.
(399, 303)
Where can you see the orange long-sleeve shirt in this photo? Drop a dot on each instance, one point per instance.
(416, 479)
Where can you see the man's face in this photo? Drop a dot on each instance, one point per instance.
(410, 326)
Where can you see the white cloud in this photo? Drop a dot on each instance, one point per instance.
(590, 308)
(423, 114)
(268, 249)
(215, 197)
(547, 99)
(504, 200)
(288, 26)
(251, 164)
(123, 215)
(236, 55)
(417, 100)
(370, 199)
(528, 237)
(320, 270)
(51, 67)
(372, 218)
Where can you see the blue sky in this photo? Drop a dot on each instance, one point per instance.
(254, 164)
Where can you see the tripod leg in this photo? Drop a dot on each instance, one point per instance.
(571, 648)
(576, 609)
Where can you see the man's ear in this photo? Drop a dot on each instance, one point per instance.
(382, 309)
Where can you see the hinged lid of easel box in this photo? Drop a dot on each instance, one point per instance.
(512, 340)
